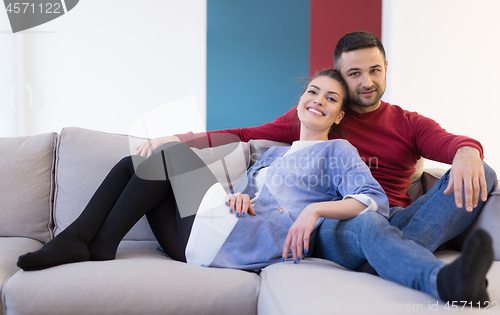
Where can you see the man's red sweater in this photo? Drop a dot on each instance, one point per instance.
(390, 140)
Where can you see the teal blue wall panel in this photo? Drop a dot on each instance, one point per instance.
(257, 56)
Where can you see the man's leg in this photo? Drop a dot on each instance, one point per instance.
(434, 218)
(370, 237)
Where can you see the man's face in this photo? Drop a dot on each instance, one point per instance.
(364, 71)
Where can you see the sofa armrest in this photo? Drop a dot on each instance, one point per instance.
(430, 177)
(489, 220)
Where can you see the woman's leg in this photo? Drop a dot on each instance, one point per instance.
(139, 196)
(188, 180)
(163, 223)
(71, 244)
(120, 202)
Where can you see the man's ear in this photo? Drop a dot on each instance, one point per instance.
(339, 117)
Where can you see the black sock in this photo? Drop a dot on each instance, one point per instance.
(64, 248)
(465, 278)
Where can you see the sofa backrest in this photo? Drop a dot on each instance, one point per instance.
(26, 185)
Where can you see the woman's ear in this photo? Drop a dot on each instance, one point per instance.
(339, 117)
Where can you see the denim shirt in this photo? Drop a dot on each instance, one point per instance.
(326, 171)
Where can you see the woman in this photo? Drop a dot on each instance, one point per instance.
(287, 193)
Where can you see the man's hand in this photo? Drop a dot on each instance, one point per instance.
(146, 148)
(300, 232)
(467, 169)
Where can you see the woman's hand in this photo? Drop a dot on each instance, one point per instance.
(147, 147)
(239, 204)
(299, 233)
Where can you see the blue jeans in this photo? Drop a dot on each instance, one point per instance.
(400, 248)
(434, 219)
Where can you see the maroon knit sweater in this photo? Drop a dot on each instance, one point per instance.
(390, 140)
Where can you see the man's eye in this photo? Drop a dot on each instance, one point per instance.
(353, 74)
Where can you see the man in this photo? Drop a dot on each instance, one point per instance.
(390, 140)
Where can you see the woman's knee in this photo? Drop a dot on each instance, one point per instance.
(180, 159)
(152, 168)
(129, 163)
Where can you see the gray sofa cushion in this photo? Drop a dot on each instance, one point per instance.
(11, 248)
(26, 186)
(140, 281)
(316, 286)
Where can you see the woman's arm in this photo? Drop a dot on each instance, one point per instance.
(360, 192)
(300, 232)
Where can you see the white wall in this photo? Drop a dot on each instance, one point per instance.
(106, 63)
(8, 78)
(444, 64)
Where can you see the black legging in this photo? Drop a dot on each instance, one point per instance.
(131, 197)
(137, 186)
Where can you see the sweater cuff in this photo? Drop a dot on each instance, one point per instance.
(469, 143)
(208, 139)
(195, 140)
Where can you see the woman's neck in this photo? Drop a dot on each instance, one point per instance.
(307, 134)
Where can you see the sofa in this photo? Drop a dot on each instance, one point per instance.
(46, 180)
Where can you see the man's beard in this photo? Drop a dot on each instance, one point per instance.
(357, 99)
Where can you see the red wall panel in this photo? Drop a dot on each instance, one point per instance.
(331, 19)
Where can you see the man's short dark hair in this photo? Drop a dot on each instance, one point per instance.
(354, 41)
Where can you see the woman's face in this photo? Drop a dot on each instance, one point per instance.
(320, 105)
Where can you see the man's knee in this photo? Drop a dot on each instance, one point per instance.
(368, 222)
(491, 177)
(369, 217)
(360, 224)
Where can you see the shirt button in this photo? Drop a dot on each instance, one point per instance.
(280, 210)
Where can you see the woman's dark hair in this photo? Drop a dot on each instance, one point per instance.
(354, 41)
(333, 74)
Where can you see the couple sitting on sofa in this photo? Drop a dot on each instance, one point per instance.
(285, 214)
